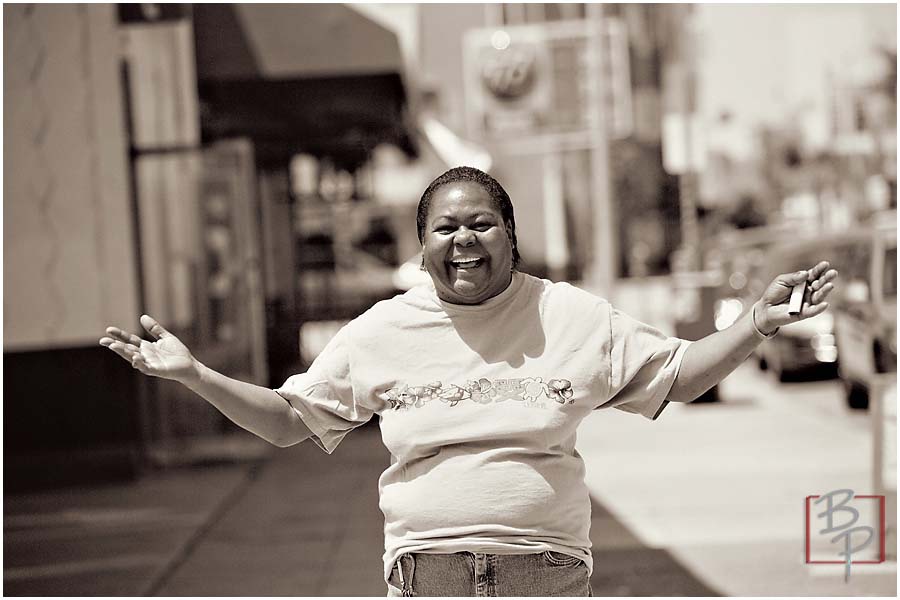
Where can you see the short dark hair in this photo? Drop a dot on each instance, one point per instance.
(498, 196)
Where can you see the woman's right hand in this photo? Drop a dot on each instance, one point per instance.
(167, 357)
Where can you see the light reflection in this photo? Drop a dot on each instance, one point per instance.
(500, 40)
(727, 312)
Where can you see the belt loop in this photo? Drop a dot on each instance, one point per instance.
(406, 585)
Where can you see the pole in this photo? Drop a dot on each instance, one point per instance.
(601, 275)
(688, 181)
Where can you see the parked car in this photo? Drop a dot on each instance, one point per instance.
(865, 310)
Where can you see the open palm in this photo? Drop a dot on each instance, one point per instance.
(167, 357)
(774, 301)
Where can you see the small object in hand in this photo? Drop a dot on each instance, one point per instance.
(796, 301)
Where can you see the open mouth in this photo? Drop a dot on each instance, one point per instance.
(466, 263)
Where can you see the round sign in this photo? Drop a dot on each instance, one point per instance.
(510, 73)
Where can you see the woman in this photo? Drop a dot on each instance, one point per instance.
(480, 381)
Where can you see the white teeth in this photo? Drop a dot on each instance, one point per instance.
(465, 263)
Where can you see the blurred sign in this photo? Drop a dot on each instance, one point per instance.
(542, 82)
(510, 74)
(683, 144)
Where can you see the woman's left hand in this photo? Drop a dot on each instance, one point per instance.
(771, 311)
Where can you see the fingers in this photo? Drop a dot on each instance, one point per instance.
(126, 351)
(153, 327)
(811, 310)
(780, 288)
(819, 295)
(827, 277)
(818, 270)
(130, 353)
(122, 336)
(822, 285)
(128, 345)
(792, 279)
(820, 280)
(121, 342)
(148, 322)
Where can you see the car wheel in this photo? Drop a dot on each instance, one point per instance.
(784, 376)
(857, 396)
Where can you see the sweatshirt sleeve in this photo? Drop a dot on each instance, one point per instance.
(323, 395)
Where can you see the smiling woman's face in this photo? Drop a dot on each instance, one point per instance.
(467, 250)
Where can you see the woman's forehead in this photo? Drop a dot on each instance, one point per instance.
(461, 198)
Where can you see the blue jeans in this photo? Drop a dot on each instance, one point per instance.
(476, 574)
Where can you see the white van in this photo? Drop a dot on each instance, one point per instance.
(865, 310)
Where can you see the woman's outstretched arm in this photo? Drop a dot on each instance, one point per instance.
(257, 409)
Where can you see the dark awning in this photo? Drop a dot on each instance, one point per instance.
(317, 78)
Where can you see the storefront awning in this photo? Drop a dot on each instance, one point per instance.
(316, 78)
(289, 41)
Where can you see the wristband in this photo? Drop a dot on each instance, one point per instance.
(756, 327)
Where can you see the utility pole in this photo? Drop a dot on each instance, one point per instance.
(602, 272)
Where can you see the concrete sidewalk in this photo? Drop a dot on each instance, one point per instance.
(722, 486)
(122, 539)
(291, 522)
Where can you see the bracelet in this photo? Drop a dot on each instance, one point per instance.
(756, 327)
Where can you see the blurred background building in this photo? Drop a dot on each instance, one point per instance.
(240, 171)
